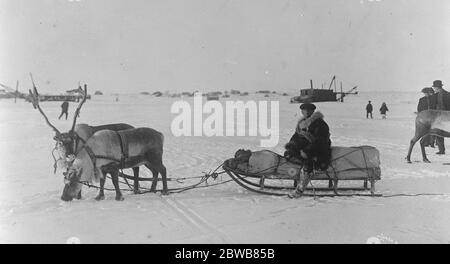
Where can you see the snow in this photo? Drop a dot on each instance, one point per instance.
(31, 210)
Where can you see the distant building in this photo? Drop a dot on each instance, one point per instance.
(157, 94)
(235, 92)
(263, 92)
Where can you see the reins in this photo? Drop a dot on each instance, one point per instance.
(203, 179)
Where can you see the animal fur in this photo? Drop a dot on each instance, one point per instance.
(429, 122)
(145, 147)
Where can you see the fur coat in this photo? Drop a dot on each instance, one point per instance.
(312, 136)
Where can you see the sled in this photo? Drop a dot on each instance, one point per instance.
(267, 172)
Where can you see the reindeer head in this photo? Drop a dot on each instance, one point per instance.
(72, 184)
(64, 141)
(80, 170)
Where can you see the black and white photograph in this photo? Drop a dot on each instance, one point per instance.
(230, 122)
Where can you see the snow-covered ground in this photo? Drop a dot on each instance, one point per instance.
(31, 210)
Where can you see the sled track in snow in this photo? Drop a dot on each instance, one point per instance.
(191, 218)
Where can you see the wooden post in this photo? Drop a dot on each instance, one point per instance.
(335, 185)
(335, 85)
(261, 182)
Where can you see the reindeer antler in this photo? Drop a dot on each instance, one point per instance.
(34, 96)
(77, 111)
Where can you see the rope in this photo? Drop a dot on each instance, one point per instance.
(214, 174)
(126, 180)
(346, 154)
(55, 161)
(205, 177)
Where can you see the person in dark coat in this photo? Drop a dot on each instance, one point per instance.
(442, 103)
(428, 101)
(425, 103)
(311, 141)
(64, 109)
(369, 109)
(383, 110)
(442, 96)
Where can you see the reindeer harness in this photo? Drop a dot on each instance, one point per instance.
(123, 149)
(77, 140)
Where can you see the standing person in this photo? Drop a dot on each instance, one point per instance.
(442, 103)
(425, 103)
(428, 101)
(383, 110)
(369, 109)
(64, 109)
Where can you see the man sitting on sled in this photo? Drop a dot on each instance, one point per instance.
(311, 142)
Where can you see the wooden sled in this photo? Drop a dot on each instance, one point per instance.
(266, 172)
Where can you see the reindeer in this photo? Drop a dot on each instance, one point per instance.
(429, 122)
(106, 152)
(69, 143)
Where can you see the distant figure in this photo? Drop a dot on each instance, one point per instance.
(442, 103)
(369, 109)
(427, 102)
(383, 110)
(64, 109)
(117, 99)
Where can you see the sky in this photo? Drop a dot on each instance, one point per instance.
(120, 46)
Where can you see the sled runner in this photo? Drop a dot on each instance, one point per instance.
(266, 172)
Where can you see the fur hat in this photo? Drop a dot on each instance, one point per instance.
(308, 106)
(427, 90)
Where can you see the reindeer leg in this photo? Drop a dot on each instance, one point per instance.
(163, 171)
(115, 180)
(411, 146)
(422, 148)
(136, 180)
(155, 177)
(101, 194)
(420, 132)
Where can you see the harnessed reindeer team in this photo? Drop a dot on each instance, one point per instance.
(91, 152)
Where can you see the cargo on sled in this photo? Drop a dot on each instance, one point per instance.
(266, 172)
